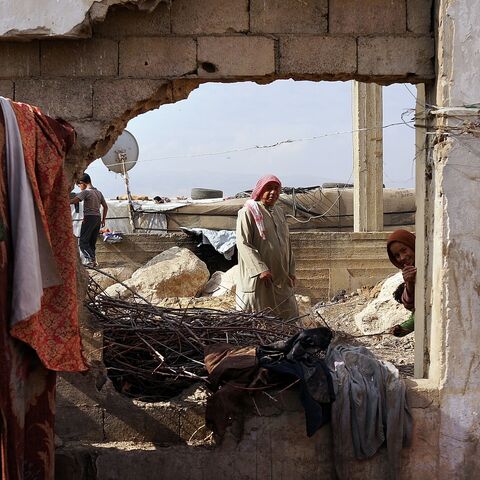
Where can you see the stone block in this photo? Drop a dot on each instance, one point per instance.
(114, 98)
(6, 88)
(399, 56)
(74, 464)
(419, 16)
(126, 420)
(235, 56)
(79, 423)
(19, 59)
(78, 389)
(209, 16)
(157, 57)
(289, 16)
(126, 22)
(182, 88)
(79, 58)
(65, 98)
(317, 55)
(367, 17)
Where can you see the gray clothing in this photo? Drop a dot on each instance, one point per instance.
(256, 255)
(92, 199)
(370, 409)
(34, 266)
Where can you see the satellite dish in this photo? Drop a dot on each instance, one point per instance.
(123, 155)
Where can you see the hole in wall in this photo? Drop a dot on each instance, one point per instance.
(209, 67)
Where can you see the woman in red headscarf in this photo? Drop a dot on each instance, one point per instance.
(266, 264)
(401, 251)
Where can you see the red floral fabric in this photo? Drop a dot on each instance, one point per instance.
(27, 388)
(53, 332)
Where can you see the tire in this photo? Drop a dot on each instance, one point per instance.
(204, 193)
(337, 185)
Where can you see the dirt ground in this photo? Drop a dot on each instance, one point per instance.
(339, 316)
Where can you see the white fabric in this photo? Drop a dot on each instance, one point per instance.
(33, 264)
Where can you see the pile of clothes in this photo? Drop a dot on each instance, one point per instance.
(362, 397)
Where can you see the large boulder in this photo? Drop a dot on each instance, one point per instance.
(383, 311)
(221, 283)
(176, 272)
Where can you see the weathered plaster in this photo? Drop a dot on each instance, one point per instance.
(456, 242)
(37, 19)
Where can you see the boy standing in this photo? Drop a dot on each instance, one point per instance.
(92, 220)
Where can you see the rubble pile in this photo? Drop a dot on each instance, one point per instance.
(156, 327)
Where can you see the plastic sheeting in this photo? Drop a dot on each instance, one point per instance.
(223, 241)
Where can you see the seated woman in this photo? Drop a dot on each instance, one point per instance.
(401, 251)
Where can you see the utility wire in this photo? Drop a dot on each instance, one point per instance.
(272, 145)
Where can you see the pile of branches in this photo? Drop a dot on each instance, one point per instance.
(154, 352)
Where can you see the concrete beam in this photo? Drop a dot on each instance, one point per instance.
(367, 157)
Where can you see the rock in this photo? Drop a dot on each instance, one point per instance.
(120, 273)
(221, 283)
(383, 311)
(176, 272)
(304, 305)
(225, 302)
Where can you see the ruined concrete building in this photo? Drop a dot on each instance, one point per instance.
(100, 63)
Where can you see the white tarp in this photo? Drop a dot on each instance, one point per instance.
(223, 241)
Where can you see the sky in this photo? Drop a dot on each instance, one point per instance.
(176, 141)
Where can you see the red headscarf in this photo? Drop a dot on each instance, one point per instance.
(401, 236)
(258, 190)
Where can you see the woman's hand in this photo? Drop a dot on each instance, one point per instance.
(409, 274)
(266, 277)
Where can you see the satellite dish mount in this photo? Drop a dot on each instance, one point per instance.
(121, 158)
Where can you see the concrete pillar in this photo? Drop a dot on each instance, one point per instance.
(367, 114)
(454, 244)
(422, 332)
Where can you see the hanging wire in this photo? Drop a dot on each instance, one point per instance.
(276, 144)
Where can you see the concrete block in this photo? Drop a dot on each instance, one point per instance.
(78, 389)
(6, 88)
(79, 423)
(182, 88)
(289, 16)
(399, 56)
(19, 59)
(74, 464)
(157, 57)
(79, 58)
(113, 98)
(367, 17)
(419, 16)
(317, 55)
(209, 16)
(235, 56)
(65, 98)
(126, 22)
(126, 420)
(148, 462)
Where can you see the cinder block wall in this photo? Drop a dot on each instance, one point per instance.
(326, 262)
(136, 61)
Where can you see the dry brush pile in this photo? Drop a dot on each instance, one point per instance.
(153, 352)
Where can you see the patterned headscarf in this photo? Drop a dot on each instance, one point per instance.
(258, 190)
(401, 236)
